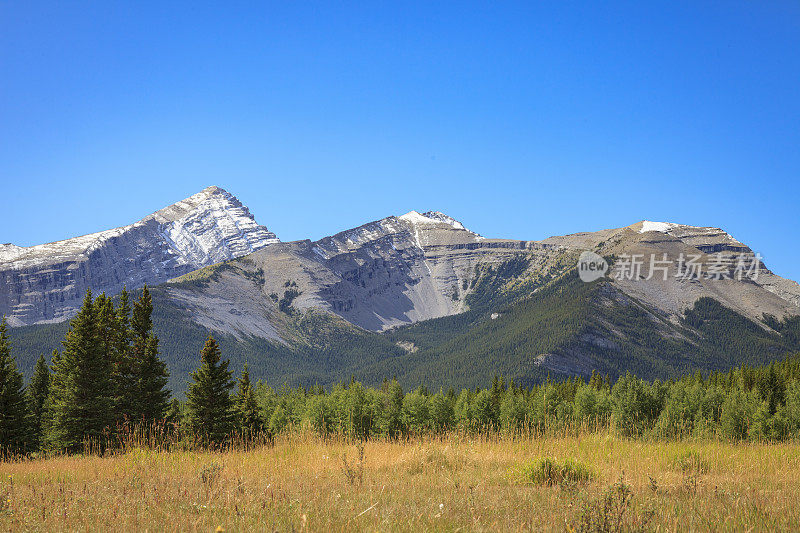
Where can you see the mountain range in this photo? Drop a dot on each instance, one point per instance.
(417, 296)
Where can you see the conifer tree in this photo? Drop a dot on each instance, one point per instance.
(124, 368)
(37, 392)
(13, 431)
(174, 414)
(208, 399)
(247, 413)
(49, 438)
(139, 375)
(124, 321)
(106, 327)
(150, 398)
(81, 395)
(152, 395)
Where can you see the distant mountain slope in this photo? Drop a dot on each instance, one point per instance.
(391, 272)
(538, 328)
(573, 328)
(418, 296)
(46, 283)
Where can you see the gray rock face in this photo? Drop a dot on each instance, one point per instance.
(390, 272)
(752, 296)
(414, 267)
(394, 271)
(46, 283)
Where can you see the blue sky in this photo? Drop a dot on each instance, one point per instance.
(523, 120)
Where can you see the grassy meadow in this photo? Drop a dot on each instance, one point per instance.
(596, 482)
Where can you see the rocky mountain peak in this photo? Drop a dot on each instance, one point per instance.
(212, 226)
(46, 282)
(433, 218)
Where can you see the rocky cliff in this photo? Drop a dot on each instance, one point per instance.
(46, 283)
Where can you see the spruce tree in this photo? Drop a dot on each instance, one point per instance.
(124, 321)
(81, 398)
(208, 399)
(247, 413)
(150, 398)
(48, 440)
(13, 430)
(38, 390)
(174, 413)
(123, 364)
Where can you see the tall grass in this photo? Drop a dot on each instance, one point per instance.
(457, 480)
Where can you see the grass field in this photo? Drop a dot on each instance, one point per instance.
(448, 484)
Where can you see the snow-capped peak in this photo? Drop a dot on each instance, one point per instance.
(9, 252)
(431, 217)
(663, 227)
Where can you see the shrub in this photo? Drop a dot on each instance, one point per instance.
(547, 471)
(691, 462)
(354, 473)
(612, 512)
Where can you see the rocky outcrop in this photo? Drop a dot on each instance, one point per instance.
(46, 283)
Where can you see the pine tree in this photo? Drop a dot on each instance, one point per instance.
(13, 430)
(124, 368)
(36, 396)
(152, 395)
(150, 398)
(106, 327)
(49, 436)
(174, 414)
(247, 413)
(81, 396)
(208, 399)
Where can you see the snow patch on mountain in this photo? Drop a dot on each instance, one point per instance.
(432, 217)
(663, 227)
(686, 231)
(10, 252)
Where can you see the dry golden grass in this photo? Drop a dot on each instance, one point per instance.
(448, 484)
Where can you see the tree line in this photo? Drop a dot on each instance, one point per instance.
(745, 403)
(109, 378)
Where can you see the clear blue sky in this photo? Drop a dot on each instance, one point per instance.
(523, 120)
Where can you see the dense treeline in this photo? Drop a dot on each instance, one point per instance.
(761, 403)
(108, 381)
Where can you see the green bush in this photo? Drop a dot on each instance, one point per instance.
(691, 462)
(548, 471)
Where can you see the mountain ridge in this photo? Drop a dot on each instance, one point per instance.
(44, 283)
(422, 297)
(385, 273)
